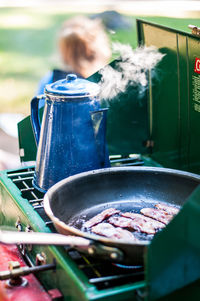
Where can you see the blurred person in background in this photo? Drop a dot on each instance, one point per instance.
(83, 48)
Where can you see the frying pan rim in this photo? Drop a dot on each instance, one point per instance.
(98, 238)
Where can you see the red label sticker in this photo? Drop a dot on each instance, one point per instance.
(197, 65)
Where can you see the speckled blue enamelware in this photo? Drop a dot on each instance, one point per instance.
(71, 138)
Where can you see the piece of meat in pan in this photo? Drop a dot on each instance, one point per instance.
(154, 223)
(159, 215)
(169, 209)
(106, 229)
(138, 224)
(100, 217)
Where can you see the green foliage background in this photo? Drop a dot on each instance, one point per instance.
(28, 49)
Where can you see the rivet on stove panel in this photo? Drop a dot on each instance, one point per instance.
(29, 229)
(18, 225)
(41, 258)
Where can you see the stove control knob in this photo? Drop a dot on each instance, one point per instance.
(14, 279)
(14, 274)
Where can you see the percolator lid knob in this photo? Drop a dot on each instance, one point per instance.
(71, 77)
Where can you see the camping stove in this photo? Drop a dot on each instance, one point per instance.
(65, 274)
(75, 276)
(162, 126)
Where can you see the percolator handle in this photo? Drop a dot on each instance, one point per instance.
(35, 120)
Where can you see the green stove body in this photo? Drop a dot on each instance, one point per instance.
(162, 128)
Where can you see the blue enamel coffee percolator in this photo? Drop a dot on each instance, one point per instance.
(72, 136)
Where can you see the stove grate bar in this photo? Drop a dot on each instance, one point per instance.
(35, 196)
(25, 173)
(48, 223)
(38, 206)
(125, 160)
(20, 179)
(27, 189)
(35, 200)
(115, 277)
(140, 163)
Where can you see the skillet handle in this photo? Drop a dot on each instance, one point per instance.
(83, 245)
(39, 238)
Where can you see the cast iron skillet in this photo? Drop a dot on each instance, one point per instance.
(82, 196)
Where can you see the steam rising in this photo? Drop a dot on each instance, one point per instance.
(132, 69)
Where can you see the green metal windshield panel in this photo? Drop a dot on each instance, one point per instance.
(27, 145)
(173, 260)
(174, 101)
(127, 128)
(127, 122)
(164, 99)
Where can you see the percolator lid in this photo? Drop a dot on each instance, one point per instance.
(72, 86)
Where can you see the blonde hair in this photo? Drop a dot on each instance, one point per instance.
(84, 45)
